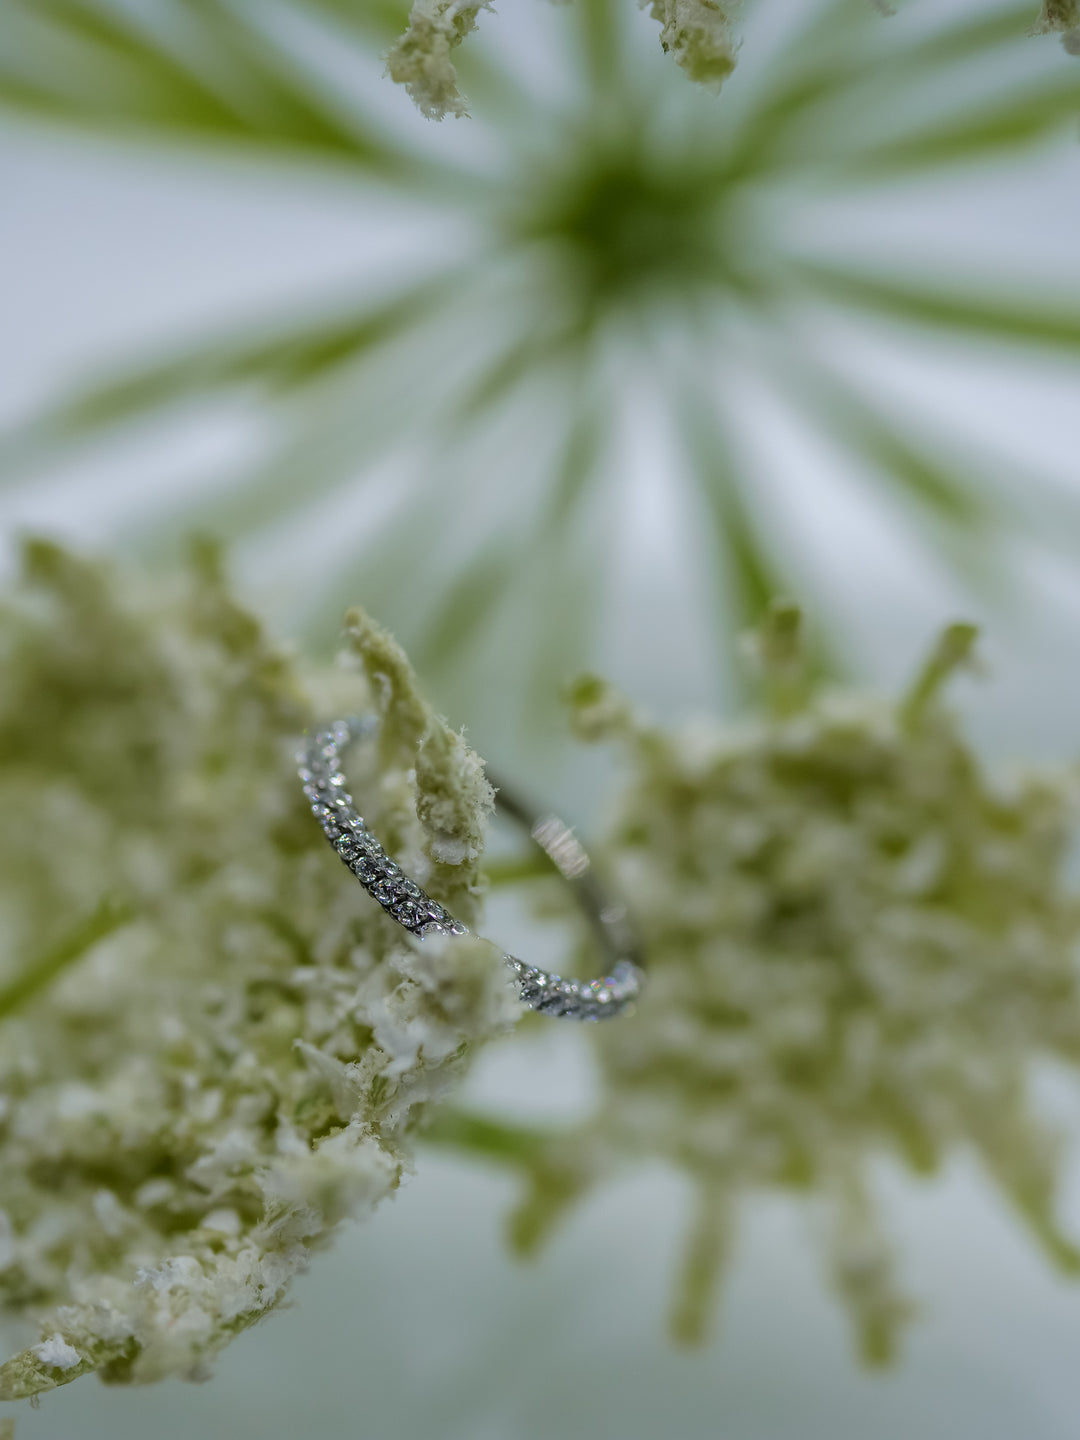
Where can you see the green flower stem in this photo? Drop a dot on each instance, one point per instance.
(518, 870)
(705, 1257)
(111, 915)
(517, 1146)
(952, 651)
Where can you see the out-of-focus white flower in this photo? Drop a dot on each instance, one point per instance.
(857, 946)
(610, 254)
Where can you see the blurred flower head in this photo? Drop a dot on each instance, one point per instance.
(611, 264)
(858, 947)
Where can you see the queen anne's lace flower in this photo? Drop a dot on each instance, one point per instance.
(857, 947)
(214, 1045)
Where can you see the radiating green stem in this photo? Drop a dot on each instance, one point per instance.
(509, 1144)
(111, 915)
(707, 1249)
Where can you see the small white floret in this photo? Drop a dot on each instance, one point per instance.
(56, 1351)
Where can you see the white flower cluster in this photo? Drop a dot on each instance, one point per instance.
(856, 947)
(215, 1045)
(697, 33)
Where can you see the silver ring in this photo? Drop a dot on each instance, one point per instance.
(406, 902)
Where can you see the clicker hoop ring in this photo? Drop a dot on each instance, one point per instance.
(323, 779)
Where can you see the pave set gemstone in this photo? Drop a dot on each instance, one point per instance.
(326, 789)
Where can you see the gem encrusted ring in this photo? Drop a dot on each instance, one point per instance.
(332, 805)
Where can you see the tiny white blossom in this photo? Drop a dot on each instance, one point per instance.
(421, 58)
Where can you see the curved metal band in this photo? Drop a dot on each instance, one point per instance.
(402, 898)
